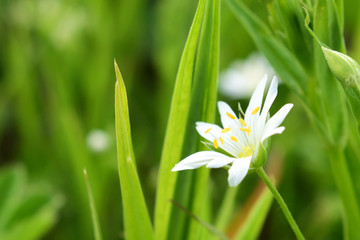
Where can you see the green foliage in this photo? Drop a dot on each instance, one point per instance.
(193, 99)
(312, 80)
(136, 217)
(94, 215)
(56, 80)
(27, 212)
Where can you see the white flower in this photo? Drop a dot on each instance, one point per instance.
(241, 138)
(241, 78)
(97, 140)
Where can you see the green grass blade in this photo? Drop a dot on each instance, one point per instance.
(175, 134)
(136, 217)
(94, 216)
(203, 105)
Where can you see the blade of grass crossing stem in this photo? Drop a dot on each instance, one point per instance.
(94, 216)
(136, 217)
(255, 219)
(206, 225)
(203, 106)
(283, 61)
(176, 127)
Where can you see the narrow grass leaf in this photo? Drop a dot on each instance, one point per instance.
(175, 134)
(94, 216)
(203, 105)
(136, 217)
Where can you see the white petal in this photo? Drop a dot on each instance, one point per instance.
(214, 133)
(230, 120)
(220, 162)
(267, 134)
(238, 170)
(225, 110)
(203, 127)
(256, 98)
(278, 117)
(197, 160)
(271, 95)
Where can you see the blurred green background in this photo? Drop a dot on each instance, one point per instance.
(57, 90)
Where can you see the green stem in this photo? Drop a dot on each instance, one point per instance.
(280, 200)
(345, 188)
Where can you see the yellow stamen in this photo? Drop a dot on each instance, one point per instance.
(242, 122)
(225, 130)
(230, 115)
(247, 130)
(208, 130)
(221, 140)
(255, 111)
(216, 144)
(234, 138)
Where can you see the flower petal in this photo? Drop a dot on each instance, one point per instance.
(211, 131)
(256, 98)
(220, 162)
(270, 97)
(197, 160)
(228, 117)
(278, 118)
(230, 120)
(267, 134)
(208, 131)
(238, 170)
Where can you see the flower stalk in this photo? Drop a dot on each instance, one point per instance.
(260, 171)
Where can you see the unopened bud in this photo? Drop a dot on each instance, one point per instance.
(345, 69)
(347, 72)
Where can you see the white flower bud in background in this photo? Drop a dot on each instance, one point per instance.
(97, 140)
(241, 78)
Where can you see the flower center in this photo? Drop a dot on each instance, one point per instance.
(246, 151)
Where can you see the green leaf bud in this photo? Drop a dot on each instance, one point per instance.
(347, 72)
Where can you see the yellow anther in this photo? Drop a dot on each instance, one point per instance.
(225, 130)
(247, 130)
(242, 122)
(221, 140)
(255, 111)
(234, 138)
(208, 130)
(216, 144)
(230, 115)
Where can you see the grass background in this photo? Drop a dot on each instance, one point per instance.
(57, 84)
